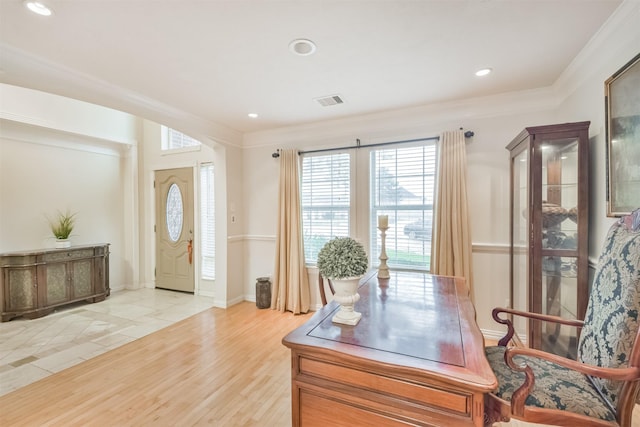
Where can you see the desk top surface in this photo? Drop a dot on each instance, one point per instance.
(404, 318)
(416, 321)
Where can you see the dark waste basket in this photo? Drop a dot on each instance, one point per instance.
(263, 292)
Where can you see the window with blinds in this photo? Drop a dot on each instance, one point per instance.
(207, 223)
(402, 187)
(326, 197)
(173, 140)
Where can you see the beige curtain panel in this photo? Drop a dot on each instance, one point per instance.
(451, 243)
(290, 281)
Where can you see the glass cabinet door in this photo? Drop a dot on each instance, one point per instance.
(559, 242)
(520, 238)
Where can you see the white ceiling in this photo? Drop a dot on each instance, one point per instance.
(216, 61)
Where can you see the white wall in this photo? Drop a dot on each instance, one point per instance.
(235, 217)
(151, 160)
(57, 154)
(494, 127)
(577, 96)
(583, 87)
(52, 148)
(226, 289)
(49, 161)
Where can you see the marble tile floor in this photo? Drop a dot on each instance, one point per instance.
(33, 349)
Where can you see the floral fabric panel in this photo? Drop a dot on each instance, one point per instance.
(556, 387)
(611, 320)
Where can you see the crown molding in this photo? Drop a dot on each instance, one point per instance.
(34, 71)
(619, 32)
(42, 123)
(434, 117)
(40, 133)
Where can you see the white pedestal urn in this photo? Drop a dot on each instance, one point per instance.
(346, 295)
(344, 261)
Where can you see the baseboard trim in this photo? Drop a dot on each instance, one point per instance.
(492, 335)
(497, 335)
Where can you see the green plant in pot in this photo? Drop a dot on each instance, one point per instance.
(61, 227)
(344, 261)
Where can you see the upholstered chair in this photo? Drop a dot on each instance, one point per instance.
(600, 388)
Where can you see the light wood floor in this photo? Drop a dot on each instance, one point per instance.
(219, 367)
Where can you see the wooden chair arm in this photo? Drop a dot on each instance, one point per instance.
(323, 296)
(537, 316)
(520, 395)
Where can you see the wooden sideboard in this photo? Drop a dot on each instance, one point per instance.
(415, 358)
(33, 283)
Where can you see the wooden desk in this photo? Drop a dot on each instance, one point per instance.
(415, 358)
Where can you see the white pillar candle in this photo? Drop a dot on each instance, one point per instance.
(383, 221)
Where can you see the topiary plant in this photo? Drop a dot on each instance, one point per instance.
(342, 257)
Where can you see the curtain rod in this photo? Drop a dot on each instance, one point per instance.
(467, 134)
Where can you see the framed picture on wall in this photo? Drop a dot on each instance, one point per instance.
(622, 114)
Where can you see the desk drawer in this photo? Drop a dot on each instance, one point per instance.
(318, 410)
(423, 394)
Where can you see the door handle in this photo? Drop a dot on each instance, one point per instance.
(190, 250)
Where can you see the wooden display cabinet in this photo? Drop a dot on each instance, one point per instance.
(33, 283)
(549, 227)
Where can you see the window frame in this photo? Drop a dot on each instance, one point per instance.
(362, 220)
(165, 141)
(395, 209)
(351, 212)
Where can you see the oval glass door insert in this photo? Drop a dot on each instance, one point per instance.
(175, 212)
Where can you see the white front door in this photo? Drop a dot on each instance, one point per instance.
(174, 229)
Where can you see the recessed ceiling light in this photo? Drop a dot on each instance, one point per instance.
(302, 47)
(38, 7)
(253, 115)
(483, 72)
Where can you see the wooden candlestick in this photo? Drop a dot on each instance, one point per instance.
(383, 270)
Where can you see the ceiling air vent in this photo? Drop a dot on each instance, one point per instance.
(326, 101)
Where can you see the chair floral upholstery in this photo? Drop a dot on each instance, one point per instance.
(611, 321)
(607, 340)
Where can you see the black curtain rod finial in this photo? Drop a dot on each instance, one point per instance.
(468, 134)
(276, 154)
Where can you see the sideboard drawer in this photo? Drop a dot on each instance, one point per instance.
(67, 255)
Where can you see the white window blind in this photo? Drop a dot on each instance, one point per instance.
(208, 223)
(172, 139)
(402, 187)
(325, 200)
